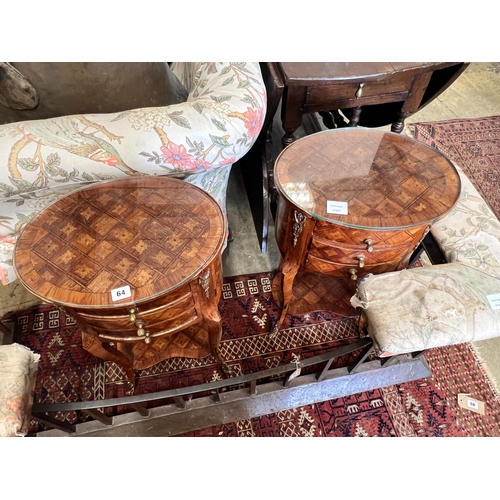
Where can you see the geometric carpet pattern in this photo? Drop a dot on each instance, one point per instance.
(474, 144)
(426, 407)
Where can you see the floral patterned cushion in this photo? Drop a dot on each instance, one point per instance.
(470, 233)
(431, 306)
(18, 366)
(198, 140)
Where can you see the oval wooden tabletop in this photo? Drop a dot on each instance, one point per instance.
(140, 236)
(367, 178)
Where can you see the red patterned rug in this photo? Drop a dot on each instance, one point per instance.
(427, 407)
(474, 144)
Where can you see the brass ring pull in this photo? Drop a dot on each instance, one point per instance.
(369, 247)
(352, 272)
(361, 259)
(359, 92)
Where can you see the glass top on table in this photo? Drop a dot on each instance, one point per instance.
(148, 235)
(367, 178)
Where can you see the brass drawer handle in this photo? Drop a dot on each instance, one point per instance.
(369, 247)
(132, 314)
(359, 92)
(140, 328)
(352, 272)
(361, 259)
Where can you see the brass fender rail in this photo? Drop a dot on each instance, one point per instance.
(40, 410)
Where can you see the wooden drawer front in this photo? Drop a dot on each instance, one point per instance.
(163, 300)
(352, 255)
(160, 327)
(158, 302)
(154, 318)
(357, 237)
(317, 265)
(173, 308)
(332, 92)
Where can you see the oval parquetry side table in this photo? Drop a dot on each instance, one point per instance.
(137, 263)
(353, 201)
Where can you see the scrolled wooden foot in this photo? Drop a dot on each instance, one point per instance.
(274, 331)
(129, 388)
(226, 369)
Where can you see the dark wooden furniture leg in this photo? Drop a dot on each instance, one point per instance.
(356, 113)
(291, 112)
(411, 104)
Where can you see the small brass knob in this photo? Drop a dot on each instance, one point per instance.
(132, 315)
(147, 339)
(140, 328)
(368, 243)
(352, 272)
(361, 259)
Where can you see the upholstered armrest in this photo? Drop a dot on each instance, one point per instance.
(470, 233)
(421, 308)
(197, 140)
(18, 366)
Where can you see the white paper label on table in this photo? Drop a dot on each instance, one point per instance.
(121, 293)
(494, 300)
(336, 207)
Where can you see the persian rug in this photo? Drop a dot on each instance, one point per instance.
(474, 144)
(68, 373)
(427, 407)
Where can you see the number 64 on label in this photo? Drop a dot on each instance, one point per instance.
(121, 293)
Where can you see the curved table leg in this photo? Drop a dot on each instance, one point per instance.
(109, 352)
(286, 278)
(209, 296)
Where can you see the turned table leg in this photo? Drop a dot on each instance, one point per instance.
(291, 112)
(356, 114)
(399, 124)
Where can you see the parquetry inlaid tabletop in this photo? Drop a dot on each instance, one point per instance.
(379, 179)
(151, 234)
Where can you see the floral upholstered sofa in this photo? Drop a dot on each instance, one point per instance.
(197, 140)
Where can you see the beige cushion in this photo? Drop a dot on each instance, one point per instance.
(421, 308)
(18, 366)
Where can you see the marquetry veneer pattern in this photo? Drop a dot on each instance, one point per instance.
(391, 188)
(161, 238)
